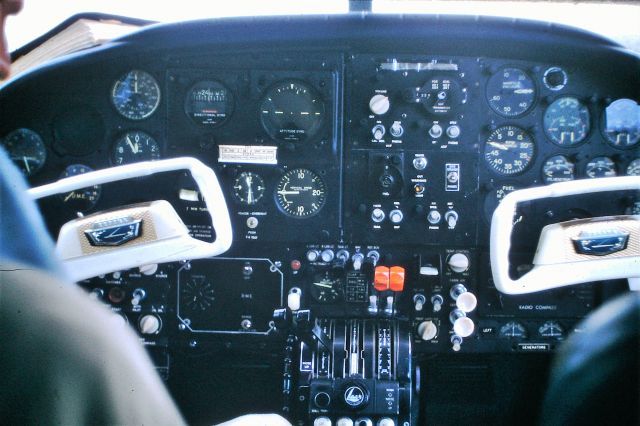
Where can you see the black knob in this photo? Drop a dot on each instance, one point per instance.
(322, 400)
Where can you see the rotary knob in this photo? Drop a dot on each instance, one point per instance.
(427, 330)
(379, 104)
(149, 324)
(458, 262)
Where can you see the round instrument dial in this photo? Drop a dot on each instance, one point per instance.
(136, 95)
(292, 111)
(248, 188)
(83, 199)
(209, 103)
(198, 294)
(513, 330)
(566, 121)
(26, 149)
(300, 193)
(511, 92)
(440, 94)
(509, 151)
(135, 146)
(558, 169)
(633, 169)
(600, 167)
(622, 123)
(326, 288)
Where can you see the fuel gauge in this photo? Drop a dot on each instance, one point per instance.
(558, 169)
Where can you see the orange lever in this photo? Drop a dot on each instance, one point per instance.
(381, 278)
(396, 278)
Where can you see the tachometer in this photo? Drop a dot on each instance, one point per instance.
(248, 188)
(209, 103)
(26, 149)
(300, 193)
(600, 167)
(82, 199)
(292, 111)
(566, 121)
(509, 150)
(135, 146)
(136, 95)
(511, 92)
(558, 169)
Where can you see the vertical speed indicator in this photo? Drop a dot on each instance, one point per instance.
(300, 193)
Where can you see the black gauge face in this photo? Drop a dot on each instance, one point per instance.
(198, 294)
(83, 199)
(292, 111)
(495, 197)
(511, 92)
(566, 121)
(633, 169)
(622, 123)
(558, 169)
(440, 95)
(300, 193)
(513, 330)
(601, 167)
(509, 151)
(26, 149)
(209, 103)
(326, 288)
(551, 329)
(248, 188)
(136, 95)
(135, 146)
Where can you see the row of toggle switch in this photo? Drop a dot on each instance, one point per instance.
(433, 217)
